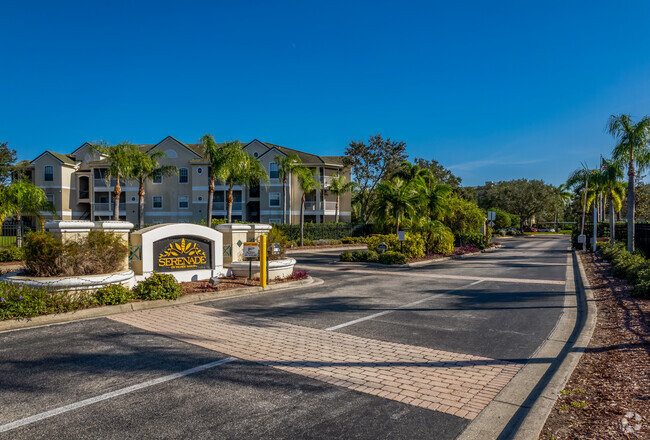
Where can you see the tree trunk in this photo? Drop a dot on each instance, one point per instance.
(141, 204)
(612, 223)
(630, 205)
(284, 200)
(210, 199)
(336, 217)
(302, 218)
(397, 227)
(229, 200)
(116, 199)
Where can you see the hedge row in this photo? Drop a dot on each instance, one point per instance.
(633, 267)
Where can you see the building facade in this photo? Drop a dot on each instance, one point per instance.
(76, 186)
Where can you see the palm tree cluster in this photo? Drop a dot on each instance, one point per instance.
(412, 198)
(602, 186)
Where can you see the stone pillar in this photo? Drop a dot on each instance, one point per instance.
(256, 230)
(235, 235)
(69, 230)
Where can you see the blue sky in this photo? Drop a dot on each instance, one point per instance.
(492, 90)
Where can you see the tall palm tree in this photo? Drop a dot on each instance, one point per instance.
(579, 181)
(144, 167)
(398, 199)
(338, 187)
(307, 183)
(120, 162)
(216, 158)
(22, 198)
(613, 189)
(239, 168)
(632, 148)
(286, 166)
(409, 172)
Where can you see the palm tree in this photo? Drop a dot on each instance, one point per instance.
(339, 186)
(613, 189)
(23, 197)
(120, 162)
(286, 166)
(579, 181)
(144, 167)
(308, 183)
(632, 148)
(435, 197)
(398, 199)
(216, 157)
(409, 172)
(239, 168)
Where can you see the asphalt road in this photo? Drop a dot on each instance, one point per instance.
(500, 305)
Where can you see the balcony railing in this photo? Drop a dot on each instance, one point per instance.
(83, 194)
(311, 205)
(103, 207)
(101, 183)
(329, 206)
(325, 181)
(222, 206)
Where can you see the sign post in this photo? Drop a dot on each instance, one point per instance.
(263, 260)
(401, 235)
(251, 250)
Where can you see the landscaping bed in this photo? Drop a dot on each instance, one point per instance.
(611, 384)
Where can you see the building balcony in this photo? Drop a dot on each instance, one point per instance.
(108, 207)
(222, 206)
(102, 183)
(326, 181)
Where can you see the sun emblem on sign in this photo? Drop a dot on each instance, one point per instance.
(182, 248)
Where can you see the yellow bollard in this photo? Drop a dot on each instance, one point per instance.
(263, 260)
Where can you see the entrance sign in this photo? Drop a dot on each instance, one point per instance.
(180, 253)
(382, 247)
(251, 250)
(188, 252)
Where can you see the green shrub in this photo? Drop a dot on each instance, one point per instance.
(113, 294)
(354, 240)
(19, 302)
(634, 267)
(158, 286)
(438, 238)
(414, 246)
(475, 239)
(97, 253)
(11, 253)
(359, 256)
(326, 242)
(275, 235)
(392, 257)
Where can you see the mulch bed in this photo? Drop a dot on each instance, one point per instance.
(229, 283)
(608, 395)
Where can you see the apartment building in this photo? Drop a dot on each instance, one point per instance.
(75, 184)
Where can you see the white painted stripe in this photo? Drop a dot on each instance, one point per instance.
(405, 306)
(106, 396)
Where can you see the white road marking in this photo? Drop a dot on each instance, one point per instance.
(106, 396)
(405, 306)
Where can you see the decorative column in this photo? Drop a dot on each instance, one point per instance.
(234, 237)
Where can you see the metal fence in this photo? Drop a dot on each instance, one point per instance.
(641, 233)
(13, 232)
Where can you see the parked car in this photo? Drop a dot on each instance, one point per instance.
(530, 229)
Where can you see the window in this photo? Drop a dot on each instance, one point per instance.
(256, 154)
(157, 202)
(157, 176)
(199, 170)
(183, 175)
(48, 173)
(49, 198)
(274, 199)
(183, 202)
(273, 170)
(275, 220)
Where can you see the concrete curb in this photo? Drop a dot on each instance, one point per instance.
(520, 410)
(99, 312)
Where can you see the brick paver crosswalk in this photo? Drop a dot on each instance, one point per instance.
(453, 383)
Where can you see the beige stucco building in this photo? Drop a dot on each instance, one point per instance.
(74, 183)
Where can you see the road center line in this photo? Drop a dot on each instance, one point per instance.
(405, 306)
(106, 396)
